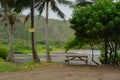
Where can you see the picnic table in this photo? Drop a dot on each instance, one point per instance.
(74, 57)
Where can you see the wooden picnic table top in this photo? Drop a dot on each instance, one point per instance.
(75, 55)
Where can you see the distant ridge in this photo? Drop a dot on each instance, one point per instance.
(59, 31)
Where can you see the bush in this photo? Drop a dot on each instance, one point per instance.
(1, 60)
(119, 57)
(102, 56)
(3, 53)
(111, 60)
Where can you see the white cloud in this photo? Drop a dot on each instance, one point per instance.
(66, 10)
(26, 11)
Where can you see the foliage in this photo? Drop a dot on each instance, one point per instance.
(83, 2)
(3, 53)
(10, 3)
(20, 47)
(59, 33)
(1, 60)
(98, 23)
(73, 43)
(110, 58)
(54, 7)
(102, 56)
(21, 5)
(96, 20)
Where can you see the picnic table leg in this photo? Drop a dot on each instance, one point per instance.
(86, 62)
(66, 61)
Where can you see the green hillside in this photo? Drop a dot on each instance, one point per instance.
(59, 33)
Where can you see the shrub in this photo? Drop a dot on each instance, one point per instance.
(3, 53)
(119, 57)
(1, 60)
(102, 56)
(112, 59)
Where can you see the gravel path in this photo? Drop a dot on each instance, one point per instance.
(62, 72)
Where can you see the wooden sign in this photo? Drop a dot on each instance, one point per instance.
(31, 30)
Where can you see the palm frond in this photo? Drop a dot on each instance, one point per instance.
(10, 3)
(37, 4)
(55, 8)
(2, 19)
(5, 25)
(83, 2)
(20, 21)
(21, 5)
(2, 14)
(41, 8)
(24, 4)
(65, 2)
(26, 18)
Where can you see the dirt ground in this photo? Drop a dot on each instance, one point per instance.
(65, 72)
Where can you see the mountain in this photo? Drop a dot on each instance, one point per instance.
(59, 31)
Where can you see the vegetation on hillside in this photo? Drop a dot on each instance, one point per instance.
(59, 34)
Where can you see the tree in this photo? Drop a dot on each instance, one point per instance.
(34, 51)
(21, 5)
(10, 24)
(6, 4)
(18, 6)
(53, 5)
(99, 22)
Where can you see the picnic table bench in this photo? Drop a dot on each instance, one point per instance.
(76, 58)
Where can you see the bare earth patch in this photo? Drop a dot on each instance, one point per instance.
(65, 72)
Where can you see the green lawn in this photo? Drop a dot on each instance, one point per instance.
(25, 49)
(11, 67)
(40, 49)
(29, 66)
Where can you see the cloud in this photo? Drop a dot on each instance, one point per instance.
(66, 10)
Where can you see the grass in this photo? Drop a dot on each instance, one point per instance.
(9, 67)
(29, 66)
(12, 67)
(6, 67)
(40, 49)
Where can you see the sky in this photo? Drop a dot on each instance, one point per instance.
(65, 9)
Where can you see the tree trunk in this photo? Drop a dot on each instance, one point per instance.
(93, 56)
(34, 51)
(116, 55)
(46, 34)
(110, 44)
(11, 52)
(10, 56)
(106, 52)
